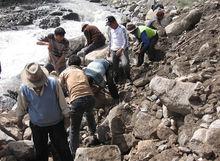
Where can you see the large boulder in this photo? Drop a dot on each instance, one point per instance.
(71, 16)
(184, 23)
(22, 149)
(145, 125)
(49, 22)
(174, 94)
(145, 150)
(96, 54)
(115, 123)
(76, 44)
(102, 153)
(4, 137)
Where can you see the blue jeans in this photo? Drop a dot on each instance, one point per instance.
(78, 108)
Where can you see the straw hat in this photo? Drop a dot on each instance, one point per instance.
(33, 75)
(131, 27)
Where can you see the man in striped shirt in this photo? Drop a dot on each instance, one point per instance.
(118, 46)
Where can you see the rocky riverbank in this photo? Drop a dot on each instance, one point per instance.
(171, 113)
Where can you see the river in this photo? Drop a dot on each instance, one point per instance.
(17, 48)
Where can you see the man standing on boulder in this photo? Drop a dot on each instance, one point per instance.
(148, 38)
(58, 47)
(95, 39)
(81, 99)
(43, 99)
(118, 46)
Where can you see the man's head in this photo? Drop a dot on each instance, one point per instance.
(131, 28)
(59, 34)
(160, 14)
(74, 60)
(111, 22)
(84, 25)
(34, 75)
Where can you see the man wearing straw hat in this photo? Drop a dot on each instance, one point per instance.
(43, 99)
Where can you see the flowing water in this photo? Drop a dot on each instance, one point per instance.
(17, 48)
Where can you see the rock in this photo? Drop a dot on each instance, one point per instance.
(145, 151)
(168, 154)
(173, 94)
(132, 7)
(207, 118)
(145, 125)
(49, 22)
(123, 141)
(199, 135)
(56, 13)
(185, 23)
(76, 44)
(4, 137)
(159, 114)
(215, 124)
(141, 82)
(163, 132)
(96, 54)
(118, 118)
(185, 133)
(184, 149)
(106, 152)
(162, 147)
(71, 16)
(8, 158)
(22, 149)
(95, 1)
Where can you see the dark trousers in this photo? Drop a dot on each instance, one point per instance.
(150, 51)
(125, 62)
(93, 46)
(78, 108)
(58, 137)
(111, 84)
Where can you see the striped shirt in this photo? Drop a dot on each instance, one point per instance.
(118, 38)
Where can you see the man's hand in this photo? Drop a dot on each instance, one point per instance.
(42, 43)
(120, 52)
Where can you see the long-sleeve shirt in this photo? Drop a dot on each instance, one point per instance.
(118, 38)
(93, 35)
(22, 105)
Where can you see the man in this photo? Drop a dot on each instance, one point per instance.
(148, 39)
(58, 47)
(42, 98)
(118, 45)
(95, 39)
(81, 99)
(97, 70)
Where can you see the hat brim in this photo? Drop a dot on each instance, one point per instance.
(130, 31)
(41, 82)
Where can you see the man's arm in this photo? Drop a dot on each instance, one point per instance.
(88, 37)
(45, 40)
(21, 109)
(62, 101)
(125, 42)
(146, 42)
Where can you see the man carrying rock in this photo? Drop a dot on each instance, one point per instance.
(118, 46)
(95, 39)
(58, 47)
(97, 70)
(148, 38)
(43, 99)
(81, 99)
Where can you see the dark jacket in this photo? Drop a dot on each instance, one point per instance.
(93, 35)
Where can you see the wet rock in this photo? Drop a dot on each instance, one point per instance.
(95, 1)
(71, 16)
(145, 125)
(56, 13)
(173, 94)
(49, 22)
(186, 23)
(106, 152)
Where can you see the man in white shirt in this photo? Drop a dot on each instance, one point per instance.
(118, 46)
